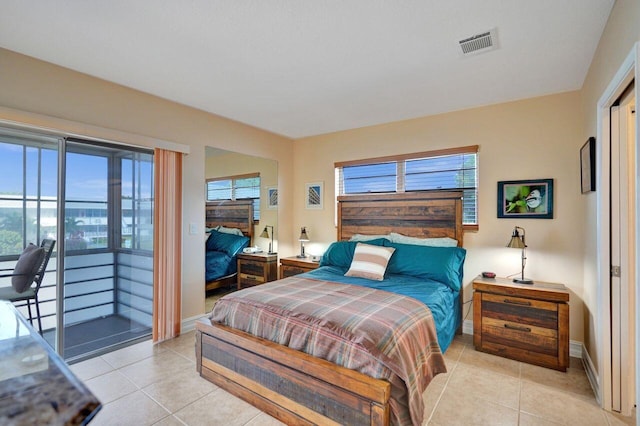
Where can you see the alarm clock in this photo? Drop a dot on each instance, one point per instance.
(489, 274)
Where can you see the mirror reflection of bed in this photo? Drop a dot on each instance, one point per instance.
(221, 163)
(229, 226)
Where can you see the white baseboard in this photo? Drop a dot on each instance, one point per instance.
(189, 324)
(467, 327)
(575, 349)
(592, 374)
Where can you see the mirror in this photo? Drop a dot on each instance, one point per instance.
(220, 163)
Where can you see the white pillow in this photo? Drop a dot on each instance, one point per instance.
(433, 242)
(234, 231)
(370, 261)
(363, 237)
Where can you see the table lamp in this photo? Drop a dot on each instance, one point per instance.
(303, 237)
(265, 234)
(518, 241)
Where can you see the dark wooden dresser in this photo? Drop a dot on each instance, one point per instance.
(290, 266)
(525, 322)
(256, 268)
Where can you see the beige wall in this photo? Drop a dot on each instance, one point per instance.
(533, 138)
(620, 34)
(230, 164)
(31, 86)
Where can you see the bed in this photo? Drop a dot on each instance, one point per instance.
(230, 229)
(300, 388)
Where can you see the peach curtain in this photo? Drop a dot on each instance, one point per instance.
(167, 244)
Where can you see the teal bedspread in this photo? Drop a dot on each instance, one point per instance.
(440, 298)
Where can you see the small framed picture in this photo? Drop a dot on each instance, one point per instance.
(272, 197)
(531, 199)
(314, 195)
(588, 166)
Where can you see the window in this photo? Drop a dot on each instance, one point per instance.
(95, 177)
(446, 169)
(137, 201)
(109, 197)
(28, 190)
(86, 220)
(241, 187)
(381, 177)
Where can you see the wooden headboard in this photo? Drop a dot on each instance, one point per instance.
(428, 214)
(231, 214)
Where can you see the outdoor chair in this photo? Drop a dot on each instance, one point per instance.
(27, 276)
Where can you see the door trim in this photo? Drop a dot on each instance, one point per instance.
(627, 72)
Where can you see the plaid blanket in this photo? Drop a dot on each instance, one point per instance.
(381, 334)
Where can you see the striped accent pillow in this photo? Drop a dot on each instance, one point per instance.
(370, 261)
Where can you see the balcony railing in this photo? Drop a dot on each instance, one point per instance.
(108, 300)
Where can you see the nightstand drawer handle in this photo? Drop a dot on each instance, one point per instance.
(516, 327)
(517, 302)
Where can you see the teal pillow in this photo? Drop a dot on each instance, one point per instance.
(227, 243)
(340, 253)
(442, 264)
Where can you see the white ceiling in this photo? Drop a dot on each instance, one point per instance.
(307, 67)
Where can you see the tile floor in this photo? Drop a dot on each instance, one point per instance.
(158, 385)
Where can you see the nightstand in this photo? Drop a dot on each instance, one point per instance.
(256, 268)
(525, 322)
(290, 266)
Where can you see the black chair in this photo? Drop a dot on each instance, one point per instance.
(9, 293)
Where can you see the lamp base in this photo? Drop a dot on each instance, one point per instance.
(301, 256)
(272, 252)
(523, 280)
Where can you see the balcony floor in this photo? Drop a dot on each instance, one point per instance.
(98, 334)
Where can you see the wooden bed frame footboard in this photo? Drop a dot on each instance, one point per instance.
(291, 386)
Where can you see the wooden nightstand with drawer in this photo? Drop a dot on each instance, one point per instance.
(290, 266)
(525, 322)
(256, 268)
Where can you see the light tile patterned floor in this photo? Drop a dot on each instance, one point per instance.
(158, 385)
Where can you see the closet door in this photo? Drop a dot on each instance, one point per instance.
(623, 273)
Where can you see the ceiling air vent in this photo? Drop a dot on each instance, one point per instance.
(482, 42)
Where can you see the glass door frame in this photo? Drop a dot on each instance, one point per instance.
(62, 177)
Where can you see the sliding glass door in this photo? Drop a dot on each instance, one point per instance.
(29, 208)
(108, 247)
(96, 200)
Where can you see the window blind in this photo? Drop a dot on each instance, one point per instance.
(437, 170)
(236, 188)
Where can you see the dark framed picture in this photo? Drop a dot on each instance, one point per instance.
(532, 199)
(588, 166)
